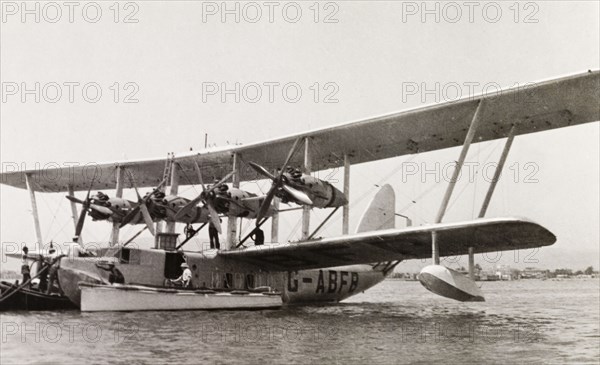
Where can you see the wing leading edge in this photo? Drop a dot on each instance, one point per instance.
(536, 107)
(485, 235)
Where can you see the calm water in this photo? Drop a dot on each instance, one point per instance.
(527, 321)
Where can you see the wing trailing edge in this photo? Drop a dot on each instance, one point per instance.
(485, 235)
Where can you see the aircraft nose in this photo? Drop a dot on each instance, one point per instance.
(338, 198)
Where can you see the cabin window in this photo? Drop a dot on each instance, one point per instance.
(250, 281)
(228, 282)
(239, 281)
(263, 279)
(124, 256)
(129, 256)
(215, 282)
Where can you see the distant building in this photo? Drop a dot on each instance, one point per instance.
(488, 275)
(533, 273)
(505, 272)
(502, 272)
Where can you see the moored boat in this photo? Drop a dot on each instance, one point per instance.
(98, 297)
(13, 297)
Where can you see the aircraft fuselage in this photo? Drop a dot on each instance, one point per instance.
(155, 267)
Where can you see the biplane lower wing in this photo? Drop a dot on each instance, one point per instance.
(484, 235)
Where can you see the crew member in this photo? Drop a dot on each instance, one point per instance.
(25, 271)
(115, 275)
(43, 274)
(213, 234)
(185, 280)
(53, 270)
(258, 236)
(189, 231)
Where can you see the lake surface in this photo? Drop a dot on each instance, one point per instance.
(526, 321)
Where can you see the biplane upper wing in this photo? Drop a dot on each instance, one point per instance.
(484, 235)
(535, 107)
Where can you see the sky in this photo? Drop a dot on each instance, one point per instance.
(141, 79)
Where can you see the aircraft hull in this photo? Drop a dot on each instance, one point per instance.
(330, 284)
(152, 267)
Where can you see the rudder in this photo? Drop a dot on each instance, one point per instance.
(380, 212)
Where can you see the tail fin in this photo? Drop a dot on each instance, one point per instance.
(380, 213)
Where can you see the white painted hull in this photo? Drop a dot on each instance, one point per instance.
(96, 298)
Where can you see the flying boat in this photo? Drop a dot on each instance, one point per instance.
(316, 269)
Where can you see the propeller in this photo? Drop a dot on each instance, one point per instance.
(298, 195)
(208, 199)
(278, 183)
(142, 205)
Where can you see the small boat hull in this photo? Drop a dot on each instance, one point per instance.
(26, 299)
(96, 298)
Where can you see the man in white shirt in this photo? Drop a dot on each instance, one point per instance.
(25, 271)
(185, 280)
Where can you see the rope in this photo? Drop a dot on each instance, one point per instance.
(11, 293)
(464, 188)
(53, 238)
(185, 175)
(376, 185)
(54, 215)
(294, 230)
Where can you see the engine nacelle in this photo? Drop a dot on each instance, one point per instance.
(450, 284)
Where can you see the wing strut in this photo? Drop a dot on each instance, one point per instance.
(190, 234)
(461, 159)
(74, 212)
(34, 211)
(173, 189)
(346, 211)
(323, 223)
(232, 221)
(252, 232)
(306, 209)
(135, 236)
(275, 218)
(490, 192)
(114, 237)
